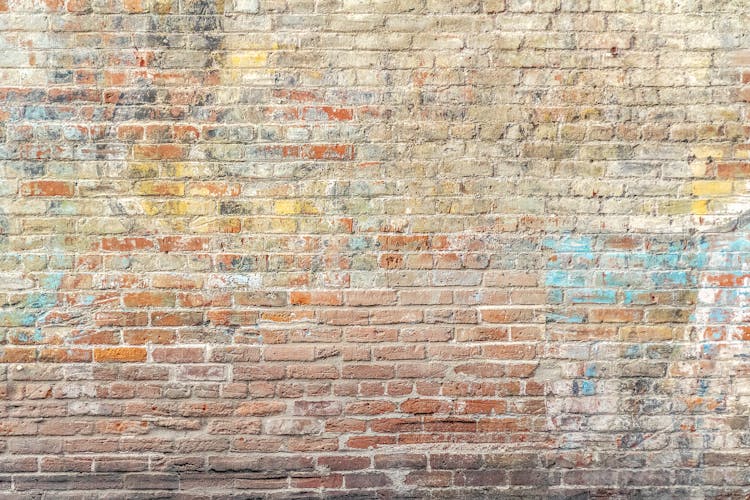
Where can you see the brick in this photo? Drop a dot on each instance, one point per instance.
(20, 464)
(260, 464)
(369, 407)
(178, 355)
(156, 152)
(119, 354)
(432, 479)
(261, 408)
(149, 299)
(151, 481)
(317, 408)
(169, 318)
(315, 298)
(74, 482)
(453, 461)
(48, 188)
(126, 244)
(343, 463)
(482, 478)
(366, 480)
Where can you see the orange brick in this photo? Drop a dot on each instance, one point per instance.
(160, 152)
(126, 244)
(316, 298)
(119, 354)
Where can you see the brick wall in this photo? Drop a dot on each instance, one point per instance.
(374, 248)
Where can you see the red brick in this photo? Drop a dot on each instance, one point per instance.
(178, 354)
(48, 188)
(126, 244)
(160, 152)
(148, 299)
(315, 298)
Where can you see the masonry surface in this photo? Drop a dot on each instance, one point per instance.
(374, 249)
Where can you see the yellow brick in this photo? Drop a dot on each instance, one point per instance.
(247, 59)
(704, 152)
(294, 207)
(699, 168)
(676, 207)
(160, 188)
(143, 169)
(151, 207)
(742, 151)
(699, 207)
(711, 188)
(177, 207)
(215, 225)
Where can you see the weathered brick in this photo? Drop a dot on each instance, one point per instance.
(467, 249)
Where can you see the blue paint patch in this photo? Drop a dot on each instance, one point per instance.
(35, 113)
(718, 315)
(620, 278)
(358, 243)
(565, 279)
(592, 296)
(588, 388)
(590, 371)
(633, 351)
(569, 244)
(637, 297)
(739, 245)
(584, 387)
(578, 273)
(17, 318)
(40, 300)
(87, 300)
(671, 278)
(702, 387)
(555, 296)
(37, 337)
(654, 261)
(565, 318)
(51, 281)
(708, 349)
